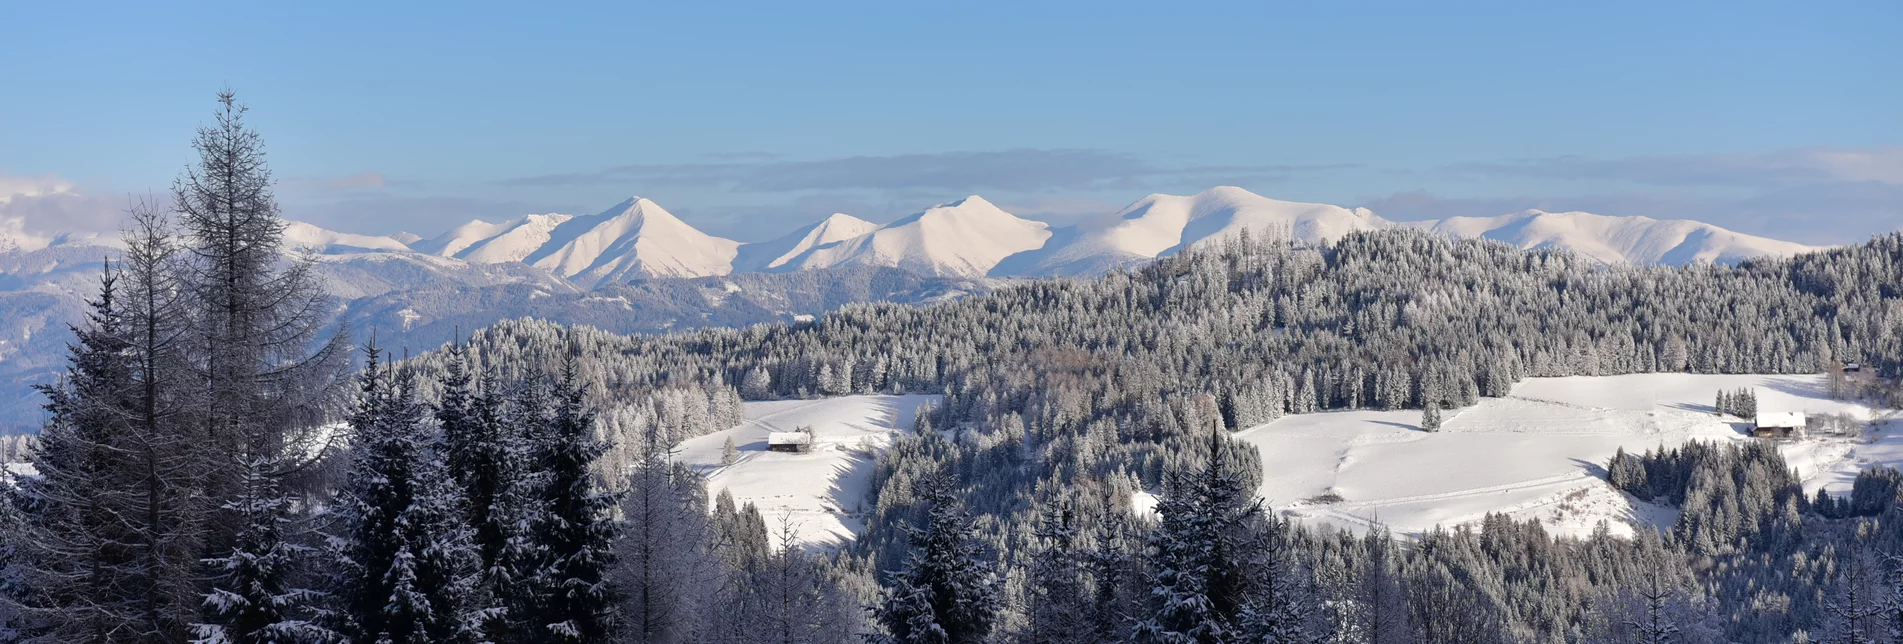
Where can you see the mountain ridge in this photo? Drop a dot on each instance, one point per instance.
(638, 239)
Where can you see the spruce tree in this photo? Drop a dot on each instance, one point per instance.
(75, 563)
(486, 468)
(946, 593)
(506, 542)
(407, 566)
(1058, 600)
(575, 531)
(253, 600)
(1216, 576)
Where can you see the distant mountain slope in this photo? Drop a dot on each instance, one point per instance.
(427, 317)
(773, 254)
(1635, 240)
(302, 236)
(635, 239)
(638, 239)
(964, 238)
(1163, 224)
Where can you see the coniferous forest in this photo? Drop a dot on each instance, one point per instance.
(222, 462)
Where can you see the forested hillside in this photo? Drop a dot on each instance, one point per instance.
(212, 470)
(1083, 392)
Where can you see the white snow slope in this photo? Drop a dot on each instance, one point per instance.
(964, 238)
(302, 236)
(635, 239)
(1164, 224)
(1611, 240)
(1540, 452)
(821, 493)
(774, 254)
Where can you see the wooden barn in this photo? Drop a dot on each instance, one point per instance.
(1778, 424)
(789, 441)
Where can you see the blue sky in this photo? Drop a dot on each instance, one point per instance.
(750, 118)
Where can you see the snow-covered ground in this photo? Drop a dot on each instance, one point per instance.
(821, 493)
(11, 471)
(1540, 452)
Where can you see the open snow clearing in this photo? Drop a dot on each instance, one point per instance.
(1540, 452)
(820, 492)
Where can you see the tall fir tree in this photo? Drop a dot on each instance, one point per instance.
(947, 591)
(255, 321)
(73, 547)
(1058, 598)
(575, 530)
(407, 568)
(253, 598)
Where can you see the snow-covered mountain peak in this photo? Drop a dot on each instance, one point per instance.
(1611, 240)
(1163, 224)
(302, 236)
(774, 254)
(485, 243)
(963, 238)
(634, 239)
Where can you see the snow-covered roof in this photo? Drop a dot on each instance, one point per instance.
(1781, 419)
(788, 438)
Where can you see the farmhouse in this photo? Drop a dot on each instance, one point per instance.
(789, 441)
(1778, 425)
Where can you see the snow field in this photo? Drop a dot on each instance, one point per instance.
(821, 493)
(1538, 453)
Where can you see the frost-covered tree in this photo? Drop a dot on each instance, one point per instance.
(253, 319)
(75, 561)
(407, 569)
(758, 384)
(574, 531)
(946, 592)
(664, 566)
(1058, 597)
(254, 599)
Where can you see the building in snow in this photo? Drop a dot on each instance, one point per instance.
(789, 441)
(1779, 424)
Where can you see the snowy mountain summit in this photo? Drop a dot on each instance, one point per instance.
(1613, 240)
(964, 238)
(1160, 225)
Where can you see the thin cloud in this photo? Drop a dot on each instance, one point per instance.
(380, 214)
(1021, 170)
(12, 187)
(1789, 167)
(48, 206)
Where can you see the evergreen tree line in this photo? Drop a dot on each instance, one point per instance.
(1753, 539)
(1742, 403)
(193, 398)
(209, 473)
(1095, 391)
(193, 486)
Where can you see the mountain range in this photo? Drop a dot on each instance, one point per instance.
(636, 268)
(972, 238)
